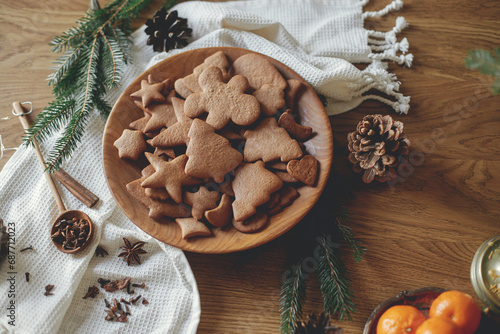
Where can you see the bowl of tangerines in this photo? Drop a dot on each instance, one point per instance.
(426, 311)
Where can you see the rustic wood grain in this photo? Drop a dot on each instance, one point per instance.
(422, 232)
(120, 172)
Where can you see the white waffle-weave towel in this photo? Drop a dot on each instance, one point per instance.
(319, 39)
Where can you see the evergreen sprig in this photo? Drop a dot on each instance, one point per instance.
(293, 295)
(331, 272)
(486, 63)
(93, 58)
(341, 218)
(334, 280)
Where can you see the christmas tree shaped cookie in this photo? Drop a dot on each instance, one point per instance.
(223, 102)
(253, 184)
(210, 155)
(270, 142)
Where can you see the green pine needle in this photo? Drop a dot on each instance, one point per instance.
(293, 295)
(334, 280)
(486, 63)
(93, 59)
(341, 218)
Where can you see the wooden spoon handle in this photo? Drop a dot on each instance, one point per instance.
(83, 194)
(22, 118)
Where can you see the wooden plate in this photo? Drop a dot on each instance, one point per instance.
(120, 172)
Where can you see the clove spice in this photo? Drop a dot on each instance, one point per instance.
(27, 248)
(92, 292)
(27, 276)
(71, 233)
(48, 290)
(101, 251)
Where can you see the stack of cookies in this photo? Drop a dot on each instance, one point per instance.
(223, 144)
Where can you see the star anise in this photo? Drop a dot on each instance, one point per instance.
(92, 292)
(131, 252)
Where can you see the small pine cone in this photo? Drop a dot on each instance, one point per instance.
(167, 31)
(377, 147)
(317, 325)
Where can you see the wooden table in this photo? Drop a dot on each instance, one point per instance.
(422, 232)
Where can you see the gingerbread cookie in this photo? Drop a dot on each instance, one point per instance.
(157, 208)
(297, 131)
(177, 133)
(270, 99)
(270, 142)
(181, 88)
(218, 59)
(201, 201)
(149, 93)
(162, 114)
(285, 177)
(169, 175)
(222, 214)
(130, 145)
(191, 228)
(164, 152)
(210, 155)
(154, 193)
(293, 88)
(253, 224)
(140, 124)
(223, 102)
(304, 170)
(276, 165)
(259, 71)
(253, 184)
(162, 77)
(287, 196)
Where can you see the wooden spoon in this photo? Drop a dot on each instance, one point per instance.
(64, 214)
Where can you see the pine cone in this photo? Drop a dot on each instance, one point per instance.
(378, 146)
(4, 241)
(317, 325)
(167, 31)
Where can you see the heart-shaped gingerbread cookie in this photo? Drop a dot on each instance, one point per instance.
(304, 170)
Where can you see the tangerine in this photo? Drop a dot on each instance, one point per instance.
(438, 326)
(458, 307)
(400, 319)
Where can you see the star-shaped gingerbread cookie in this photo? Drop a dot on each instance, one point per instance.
(157, 208)
(162, 114)
(170, 175)
(201, 201)
(177, 133)
(223, 102)
(131, 144)
(149, 93)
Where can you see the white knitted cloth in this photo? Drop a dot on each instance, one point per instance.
(316, 38)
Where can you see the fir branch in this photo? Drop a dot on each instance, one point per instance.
(334, 280)
(94, 55)
(341, 218)
(486, 63)
(293, 294)
(74, 130)
(50, 120)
